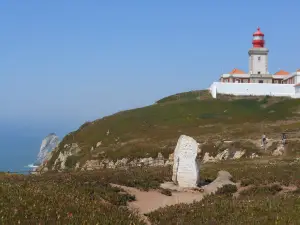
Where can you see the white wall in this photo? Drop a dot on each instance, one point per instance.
(297, 78)
(247, 89)
(258, 63)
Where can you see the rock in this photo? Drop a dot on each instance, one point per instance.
(98, 144)
(62, 157)
(223, 178)
(49, 143)
(223, 155)
(238, 154)
(278, 151)
(121, 163)
(199, 150)
(159, 161)
(92, 164)
(111, 165)
(185, 167)
(171, 157)
(296, 161)
(253, 155)
(77, 165)
(208, 158)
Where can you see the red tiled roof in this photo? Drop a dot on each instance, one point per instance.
(237, 71)
(282, 72)
(298, 70)
(296, 85)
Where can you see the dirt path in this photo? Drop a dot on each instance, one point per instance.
(148, 201)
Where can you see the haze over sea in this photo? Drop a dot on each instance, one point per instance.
(20, 143)
(66, 62)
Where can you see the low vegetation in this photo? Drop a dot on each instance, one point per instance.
(88, 197)
(146, 131)
(260, 203)
(268, 187)
(62, 199)
(227, 210)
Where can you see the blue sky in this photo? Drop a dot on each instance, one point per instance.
(72, 61)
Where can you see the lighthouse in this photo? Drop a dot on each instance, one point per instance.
(258, 67)
(258, 56)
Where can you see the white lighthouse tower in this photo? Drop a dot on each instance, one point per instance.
(258, 55)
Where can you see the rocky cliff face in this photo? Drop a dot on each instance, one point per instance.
(69, 157)
(49, 143)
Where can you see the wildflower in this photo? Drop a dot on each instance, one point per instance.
(70, 214)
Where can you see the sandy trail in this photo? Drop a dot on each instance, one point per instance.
(148, 201)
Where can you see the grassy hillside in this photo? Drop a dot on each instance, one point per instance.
(268, 187)
(146, 131)
(271, 195)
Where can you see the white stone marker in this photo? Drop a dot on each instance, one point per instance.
(185, 167)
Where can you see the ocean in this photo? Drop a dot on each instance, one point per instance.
(19, 147)
(18, 150)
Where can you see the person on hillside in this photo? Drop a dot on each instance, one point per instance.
(283, 138)
(263, 141)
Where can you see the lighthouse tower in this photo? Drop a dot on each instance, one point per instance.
(258, 55)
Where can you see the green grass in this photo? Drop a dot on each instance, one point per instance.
(226, 210)
(141, 132)
(255, 172)
(259, 204)
(62, 199)
(88, 197)
(262, 190)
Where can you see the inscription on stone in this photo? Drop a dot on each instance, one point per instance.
(185, 167)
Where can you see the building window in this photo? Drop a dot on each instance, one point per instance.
(258, 58)
(258, 72)
(260, 81)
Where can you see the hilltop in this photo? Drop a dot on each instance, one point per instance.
(148, 131)
(266, 189)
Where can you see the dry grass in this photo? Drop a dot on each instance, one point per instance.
(259, 204)
(62, 199)
(192, 113)
(225, 210)
(87, 197)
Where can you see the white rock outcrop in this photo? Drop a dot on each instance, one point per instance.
(224, 155)
(238, 154)
(95, 164)
(62, 157)
(278, 151)
(98, 144)
(253, 156)
(185, 166)
(208, 158)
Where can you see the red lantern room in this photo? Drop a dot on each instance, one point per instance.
(258, 39)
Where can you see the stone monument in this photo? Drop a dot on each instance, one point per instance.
(185, 167)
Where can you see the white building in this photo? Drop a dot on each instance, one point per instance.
(258, 67)
(258, 81)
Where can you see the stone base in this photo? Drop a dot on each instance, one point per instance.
(223, 178)
(173, 187)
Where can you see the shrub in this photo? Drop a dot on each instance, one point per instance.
(227, 190)
(262, 190)
(71, 161)
(246, 182)
(166, 192)
(63, 198)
